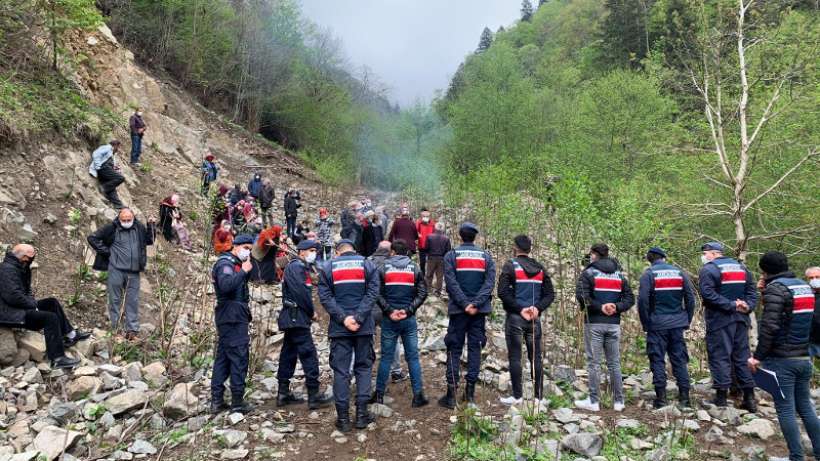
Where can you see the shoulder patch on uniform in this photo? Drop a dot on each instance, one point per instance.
(227, 270)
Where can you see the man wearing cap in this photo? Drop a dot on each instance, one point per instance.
(666, 304)
(729, 294)
(209, 172)
(470, 275)
(526, 291)
(348, 288)
(295, 320)
(232, 317)
(603, 293)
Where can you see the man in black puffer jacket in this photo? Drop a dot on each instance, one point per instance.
(783, 347)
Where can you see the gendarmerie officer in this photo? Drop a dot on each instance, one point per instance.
(295, 319)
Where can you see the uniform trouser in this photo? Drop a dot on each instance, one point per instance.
(602, 340)
(435, 267)
(423, 260)
(298, 344)
(516, 331)
(728, 350)
(794, 376)
(124, 290)
(341, 350)
(407, 330)
(471, 328)
(231, 360)
(671, 342)
(50, 318)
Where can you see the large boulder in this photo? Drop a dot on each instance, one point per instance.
(761, 428)
(181, 401)
(34, 343)
(83, 386)
(128, 400)
(52, 440)
(8, 347)
(584, 443)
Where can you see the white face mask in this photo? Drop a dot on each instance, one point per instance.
(139, 113)
(814, 283)
(425, 219)
(244, 254)
(310, 258)
(704, 259)
(127, 224)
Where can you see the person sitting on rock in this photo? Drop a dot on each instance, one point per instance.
(19, 308)
(107, 171)
(170, 220)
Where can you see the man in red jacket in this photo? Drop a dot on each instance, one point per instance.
(404, 229)
(424, 227)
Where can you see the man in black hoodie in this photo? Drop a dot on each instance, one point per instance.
(603, 293)
(526, 291)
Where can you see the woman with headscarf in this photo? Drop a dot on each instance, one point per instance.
(265, 252)
(170, 218)
(223, 238)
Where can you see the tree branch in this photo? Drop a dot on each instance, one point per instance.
(782, 178)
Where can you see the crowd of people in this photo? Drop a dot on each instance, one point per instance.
(379, 273)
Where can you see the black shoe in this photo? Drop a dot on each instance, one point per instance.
(363, 417)
(64, 362)
(219, 407)
(242, 407)
(449, 400)
(469, 393)
(285, 397)
(749, 402)
(398, 376)
(378, 397)
(660, 398)
(343, 424)
(316, 400)
(683, 399)
(419, 400)
(720, 398)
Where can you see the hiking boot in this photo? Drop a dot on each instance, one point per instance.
(683, 399)
(285, 397)
(132, 336)
(219, 407)
(449, 400)
(469, 393)
(660, 398)
(419, 400)
(242, 407)
(398, 376)
(363, 417)
(317, 400)
(378, 397)
(64, 362)
(720, 398)
(343, 424)
(749, 403)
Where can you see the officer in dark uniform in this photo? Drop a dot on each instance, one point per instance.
(348, 288)
(666, 304)
(729, 294)
(232, 317)
(470, 275)
(295, 320)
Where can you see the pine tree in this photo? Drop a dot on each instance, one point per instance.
(500, 30)
(526, 10)
(486, 40)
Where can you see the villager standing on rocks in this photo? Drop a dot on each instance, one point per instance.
(348, 288)
(424, 227)
(233, 315)
(729, 294)
(470, 275)
(526, 291)
(324, 234)
(813, 279)
(209, 172)
(603, 293)
(266, 196)
(666, 304)
(255, 186)
(291, 211)
(784, 332)
(402, 292)
(105, 169)
(19, 308)
(121, 250)
(137, 127)
(437, 245)
(298, 313)
(405, 229)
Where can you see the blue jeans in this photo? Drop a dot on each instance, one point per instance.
(407, 329)
(794, 376)
(136, 147)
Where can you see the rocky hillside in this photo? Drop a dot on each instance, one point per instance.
(148, 400)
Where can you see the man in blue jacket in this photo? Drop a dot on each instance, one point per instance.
(470, 275)
(232, 317)
(295, 319)
(729, 294)
(348, 288)
(666, 304)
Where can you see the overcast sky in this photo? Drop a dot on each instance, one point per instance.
(414, 46)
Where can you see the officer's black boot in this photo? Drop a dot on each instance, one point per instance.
(218, 406)
(316, 400)
(449, 400)
(660, 398)
(419, 400)
(343, 419)
(285, 397)
(720, 398)
(683, 399)
(363, 417)
(241, 406)
(469, 393)
(749, 402)
(378, 397)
